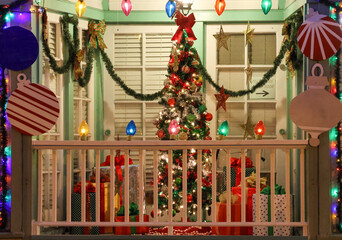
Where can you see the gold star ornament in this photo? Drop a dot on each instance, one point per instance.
(248, 128)
(221, 39)
(221, 99)
(249, 34)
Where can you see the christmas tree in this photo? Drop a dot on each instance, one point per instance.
(184, 117)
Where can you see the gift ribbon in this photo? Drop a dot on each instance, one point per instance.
(77, 65)
(236, 164)
(184, 23)
(96, 30)
(89, 188)
(119, 161)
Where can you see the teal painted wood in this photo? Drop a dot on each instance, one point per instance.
(98, 98)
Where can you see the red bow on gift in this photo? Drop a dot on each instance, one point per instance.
(184, 23)
(119, 161)
(89, 188)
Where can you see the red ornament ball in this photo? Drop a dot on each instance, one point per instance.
(189, 198)
(171, 102)
(191, 43)
(209, 117)
(161, 134)
(185, 69)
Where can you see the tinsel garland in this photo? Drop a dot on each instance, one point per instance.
(294, 22)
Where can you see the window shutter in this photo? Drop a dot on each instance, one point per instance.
(53, 39)
(124, 113)
(158, 49)
(128, 50)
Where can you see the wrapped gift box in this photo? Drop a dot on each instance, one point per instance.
(131, 230)
(280, 215)
(90, 213)
(235, 178)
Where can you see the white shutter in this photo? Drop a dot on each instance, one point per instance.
(132, 78)
(53, 39)
(151, 114)
(124, 113)
(128, 50)
(158, 49)
(154, 80)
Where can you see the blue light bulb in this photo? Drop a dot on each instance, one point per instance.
(131, 129)
(170, 8)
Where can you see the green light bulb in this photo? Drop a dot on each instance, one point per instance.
(266, 6)
(224, 129)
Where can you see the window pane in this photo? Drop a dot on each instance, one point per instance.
(265, 112)
(232, 80)
(128, 50)
(236, 53)
(263, 49)
(268, 91)
(124, 113)
(235, 116)
(133, 79)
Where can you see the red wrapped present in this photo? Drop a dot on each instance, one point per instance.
(131, 230)
(221, 216)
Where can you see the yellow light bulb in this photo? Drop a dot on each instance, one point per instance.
(80, 8)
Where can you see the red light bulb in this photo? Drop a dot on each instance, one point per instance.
(220, 5)
(259, 129)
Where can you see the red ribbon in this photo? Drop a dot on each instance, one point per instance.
(186, 23)
(236, 164)
(89, 188)
(119, 161)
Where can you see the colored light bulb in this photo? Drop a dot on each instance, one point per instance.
(80, 8)
(266, 6)
(170, 8)
(259, 129)
(174, 128)
(131, 129)
(224, 128)
(126, 6)
(220, 5)
(83, 129)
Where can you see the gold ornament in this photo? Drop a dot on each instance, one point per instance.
(200, 79)
(249, 73)
(222, 39)
(183, 136)
(249, 34)
(248, 128)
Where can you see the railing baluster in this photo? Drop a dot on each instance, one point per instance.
(243, 185)
(83, 185)
(54, 186)
(228, 188)
(40, 186)
(287, 186)
(272, 183)
(141, 185)
(155, 185)
(126, 191)
(169, 188)
(112, 187)
(302, 192)
(257, 200)
(97, 188)
(68, 186)
(185, 182)
(214, 184)
(199, 186)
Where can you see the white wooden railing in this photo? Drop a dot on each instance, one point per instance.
(274, 146)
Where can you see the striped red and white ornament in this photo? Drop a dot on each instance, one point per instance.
(185, 69)
(32, 109)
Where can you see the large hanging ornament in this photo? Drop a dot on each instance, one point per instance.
(221, 99)
(32, 109)
(220, 5)
(126, 6)
(249, 34)
(221, 39)
(266, 6)
(319, 37)
(316, 110)
(80, 8)
(170, 8)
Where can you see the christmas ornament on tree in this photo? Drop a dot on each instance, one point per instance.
(222, 39)
(171, 102)
(208, 117)
(221, 99)
(202, 109)
(183, 136)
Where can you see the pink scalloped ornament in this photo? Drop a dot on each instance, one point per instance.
(319, 37)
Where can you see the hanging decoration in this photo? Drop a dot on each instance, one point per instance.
(32, 109)
(95, 31)
(221, 99)
(248, 129)
(249, 73)
(184, 22)
(319, 37)
(126, 6)
(170, 8)
(77, 65)
(220, 5)
(80, 8)
(259, 130)
(266, 6)
(249, 34)
(306, 110)
(222, 39)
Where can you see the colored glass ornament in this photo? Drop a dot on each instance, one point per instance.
(191, 117)
(171, 102)
(178, 181)
(220, 5)
(80, 8)
(170, 8)
(266, 6)
(202, 109)
(223, 129)
(126, 6)
(131, 129)
(208, 116)
(259, 129)
(83, 129)
(174, 128)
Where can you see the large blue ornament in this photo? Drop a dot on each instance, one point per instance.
(131, 129)
(18, 48)
(170, 8)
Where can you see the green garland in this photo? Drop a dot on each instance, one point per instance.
(294, 23)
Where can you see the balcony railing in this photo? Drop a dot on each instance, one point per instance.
(61, 152)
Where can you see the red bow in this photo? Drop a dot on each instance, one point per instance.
(89, 188)
(119, 161)
(184, 23)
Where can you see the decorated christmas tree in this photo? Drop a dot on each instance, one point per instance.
(184, 117)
